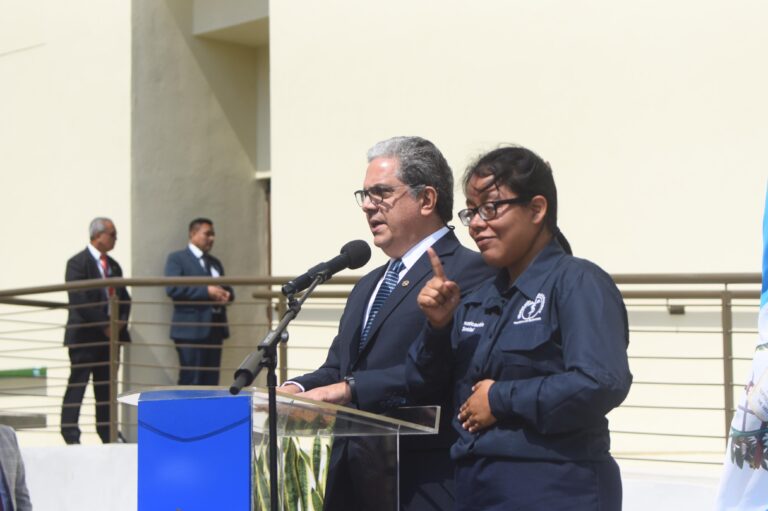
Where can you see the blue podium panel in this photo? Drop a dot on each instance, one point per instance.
(195, 454)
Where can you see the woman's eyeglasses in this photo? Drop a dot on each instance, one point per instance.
(488, 210)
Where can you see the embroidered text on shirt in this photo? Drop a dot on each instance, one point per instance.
(470, 326)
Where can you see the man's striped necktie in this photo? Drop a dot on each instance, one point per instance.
(390, 281)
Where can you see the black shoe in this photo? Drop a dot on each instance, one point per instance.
(72, 441)
(120, 438)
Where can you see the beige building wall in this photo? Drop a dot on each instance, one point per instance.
(123, 110)
(651, 114)
(200, 119)
(64, 159)
(152, 113)
(64, 133)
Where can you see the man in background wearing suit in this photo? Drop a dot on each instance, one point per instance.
(14, 495)
(199, 326)
(407, 198)
(87, 331)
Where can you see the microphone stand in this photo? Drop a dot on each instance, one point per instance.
(265, 356)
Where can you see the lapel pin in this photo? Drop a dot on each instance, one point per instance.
(406, 282)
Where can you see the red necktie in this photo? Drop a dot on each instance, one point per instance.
(105, 269)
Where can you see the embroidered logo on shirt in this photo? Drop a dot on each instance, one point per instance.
(531, 310)
(470, 326)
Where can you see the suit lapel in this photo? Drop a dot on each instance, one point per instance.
(94, 272)
(358, 313)
(216, 264)
(412, 282)
(91, 265)
(194, 263)
(113, 267)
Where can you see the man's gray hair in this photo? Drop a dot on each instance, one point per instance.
(98, 225)
(421, 164)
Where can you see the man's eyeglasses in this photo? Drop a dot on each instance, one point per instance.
(487, 210)
(376, 194)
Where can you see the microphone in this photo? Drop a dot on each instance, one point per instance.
(353, 255)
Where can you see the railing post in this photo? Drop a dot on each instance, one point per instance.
(114, 360)
(727, 324)
(282, 306)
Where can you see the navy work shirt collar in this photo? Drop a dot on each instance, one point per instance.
(531, 280)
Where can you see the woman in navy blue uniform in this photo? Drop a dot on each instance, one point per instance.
(537, 356)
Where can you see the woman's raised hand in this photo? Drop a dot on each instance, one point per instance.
(439, 297)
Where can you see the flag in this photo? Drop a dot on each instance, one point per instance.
(744, 481)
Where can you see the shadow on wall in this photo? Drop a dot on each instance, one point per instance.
(238, 77)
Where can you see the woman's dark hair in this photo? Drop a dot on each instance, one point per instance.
(526, 174)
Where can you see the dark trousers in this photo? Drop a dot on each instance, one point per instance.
(84, 363)
(498, 484)
(363, 476)
(426, 480)
(200, 361)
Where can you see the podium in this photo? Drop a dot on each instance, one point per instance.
(201, 448)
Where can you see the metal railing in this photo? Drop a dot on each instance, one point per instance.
(34, 363)
(691, 336)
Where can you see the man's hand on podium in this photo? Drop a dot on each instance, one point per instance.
(288, 388)
(336, 393)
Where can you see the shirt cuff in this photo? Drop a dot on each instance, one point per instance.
(291, 382)
(509, 399)
(497, 397)
(437, 338)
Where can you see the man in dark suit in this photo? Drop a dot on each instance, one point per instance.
(87, 331)
(198, 329)
(13, 492)
(408, 200)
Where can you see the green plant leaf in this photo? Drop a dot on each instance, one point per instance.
(316, 453)
(262, 482)
(317, 500)
(303, 470)
(324, 482)
(291, 478)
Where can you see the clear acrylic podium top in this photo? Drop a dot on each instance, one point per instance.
(297, 416)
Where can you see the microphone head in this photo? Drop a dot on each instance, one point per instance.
(358, 252)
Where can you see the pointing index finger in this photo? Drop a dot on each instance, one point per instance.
(437, 266)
